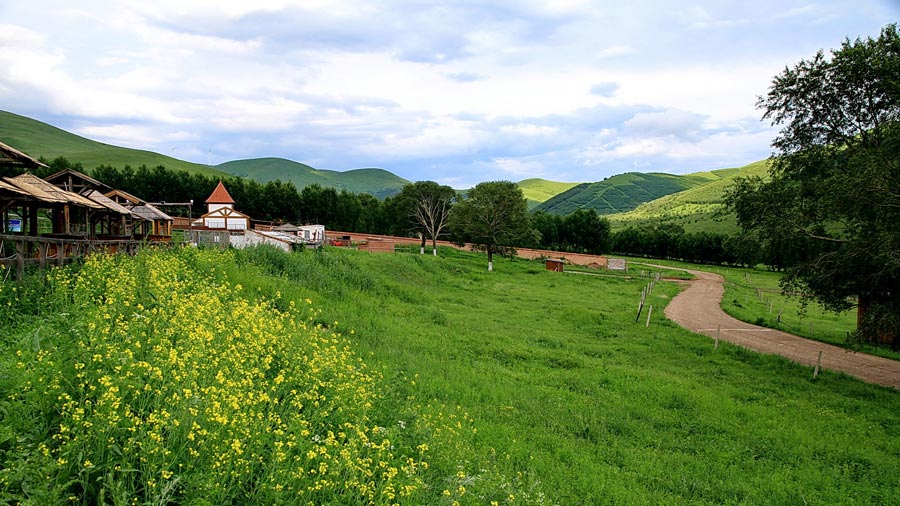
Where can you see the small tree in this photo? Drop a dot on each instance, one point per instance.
(494, 217)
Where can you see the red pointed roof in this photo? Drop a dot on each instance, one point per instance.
(220, 195)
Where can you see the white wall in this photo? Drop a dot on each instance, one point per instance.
(252, 238)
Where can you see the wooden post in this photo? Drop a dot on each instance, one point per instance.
(818, 366)
(770, 307)
(810, 329)
(649, 312)
(718, 332)
(20, 259)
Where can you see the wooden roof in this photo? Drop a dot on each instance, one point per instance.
(12, 156)
(33, 191)
(106, 202)
(124, 196)
(220, 195)
(150, 213)
(9, 190)
(287, 227)
(74, 181)
(58, 193)
(224, 212)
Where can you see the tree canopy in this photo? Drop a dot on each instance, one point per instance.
(494, 217)
(833, 193)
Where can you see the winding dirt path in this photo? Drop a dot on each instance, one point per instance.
(698, 309)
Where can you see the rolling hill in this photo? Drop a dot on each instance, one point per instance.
(696, 209)
(538, 190)
(623, 192)
(377, 182)
(42, 140)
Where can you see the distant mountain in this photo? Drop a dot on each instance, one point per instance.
(623, 192)
(538, 190)
(377, 182)
(39, 139)
(42, 140)
(696, 209)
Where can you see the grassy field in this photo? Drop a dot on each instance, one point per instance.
(527, 386)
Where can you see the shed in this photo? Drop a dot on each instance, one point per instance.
(555, 264)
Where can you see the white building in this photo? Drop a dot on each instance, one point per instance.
(221, 214)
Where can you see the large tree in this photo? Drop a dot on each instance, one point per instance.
(833, 191)
(494, 217)
(422, 208)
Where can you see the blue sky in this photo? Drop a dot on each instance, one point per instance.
(456, 92)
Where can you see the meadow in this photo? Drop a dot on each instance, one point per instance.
(520, 386)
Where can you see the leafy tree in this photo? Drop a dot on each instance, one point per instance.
(584, 231)
(494, 216)
(834, 180)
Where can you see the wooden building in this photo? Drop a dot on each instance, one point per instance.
(149, 223)
(221, 214)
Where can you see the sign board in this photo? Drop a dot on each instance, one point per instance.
(617, 264)
(14, 225)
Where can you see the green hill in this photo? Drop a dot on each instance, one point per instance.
(538, 190)
(696, 209)
(377, 182)
(623, 192)
(42, 140)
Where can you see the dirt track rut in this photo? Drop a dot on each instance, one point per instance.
(698, 309)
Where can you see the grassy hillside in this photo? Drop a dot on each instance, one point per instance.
(42, 140)
(538, 190)
(696, 209)
(377, 182)
(622, 193)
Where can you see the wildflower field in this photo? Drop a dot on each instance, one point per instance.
(343, 377)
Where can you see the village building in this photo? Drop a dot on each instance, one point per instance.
(221, 214)
(150, 223)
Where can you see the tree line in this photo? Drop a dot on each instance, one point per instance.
(422, 209)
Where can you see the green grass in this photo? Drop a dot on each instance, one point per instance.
(377, 182)
(565, 395)
(39, 139)
(696, 209)
(538, 190)
(594, 407)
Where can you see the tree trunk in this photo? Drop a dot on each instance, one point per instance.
(434, 246)
(422, 245)
(490, 259)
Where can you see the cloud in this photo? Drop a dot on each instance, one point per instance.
(465, 77)
(604, 89)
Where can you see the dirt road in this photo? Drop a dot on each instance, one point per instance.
(698, 309)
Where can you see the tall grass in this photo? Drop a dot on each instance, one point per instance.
(520, 386)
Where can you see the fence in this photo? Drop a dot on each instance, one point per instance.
(17, 251)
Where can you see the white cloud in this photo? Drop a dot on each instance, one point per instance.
(480, 89)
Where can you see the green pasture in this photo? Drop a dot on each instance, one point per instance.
(593, 407)
(535, 387)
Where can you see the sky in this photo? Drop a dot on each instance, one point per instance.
(454, 92)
